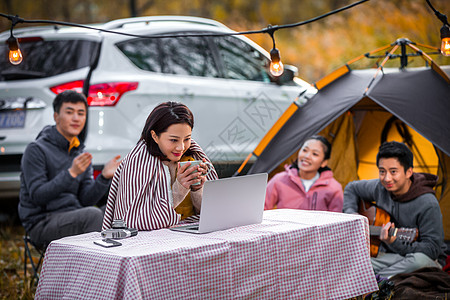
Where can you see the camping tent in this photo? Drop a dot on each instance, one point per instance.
(359, 109)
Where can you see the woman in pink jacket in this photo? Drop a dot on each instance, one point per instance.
(308, 183)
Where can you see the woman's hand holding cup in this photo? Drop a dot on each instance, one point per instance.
(192, 174)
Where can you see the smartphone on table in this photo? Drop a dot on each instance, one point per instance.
(107, 243)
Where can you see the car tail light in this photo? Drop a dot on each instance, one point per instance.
(108, 94)
(31, 39)
(101, 94)
(74, 85)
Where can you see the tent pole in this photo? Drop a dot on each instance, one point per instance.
(403, 58)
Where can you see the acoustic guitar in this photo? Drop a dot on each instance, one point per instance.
(377, 218)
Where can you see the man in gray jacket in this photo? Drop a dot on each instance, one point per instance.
(58, 190)
(409, 199)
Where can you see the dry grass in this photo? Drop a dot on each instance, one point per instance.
(13, 284)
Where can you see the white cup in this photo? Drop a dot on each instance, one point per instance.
(196, 163)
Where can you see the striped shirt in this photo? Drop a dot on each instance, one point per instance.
(140, 193)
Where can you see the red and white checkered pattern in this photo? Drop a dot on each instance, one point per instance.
(293, 254)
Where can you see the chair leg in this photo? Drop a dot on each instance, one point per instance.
(37, 266)
(28, 256)
(25, 257)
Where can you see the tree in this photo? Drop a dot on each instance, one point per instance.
(316, 48)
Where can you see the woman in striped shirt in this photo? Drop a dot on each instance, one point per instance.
(149, 189)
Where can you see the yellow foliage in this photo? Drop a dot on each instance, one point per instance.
(316, 48)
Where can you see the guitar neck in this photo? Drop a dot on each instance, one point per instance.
(376, 230)
(378, 216)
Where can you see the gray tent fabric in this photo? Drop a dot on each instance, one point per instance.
(421, 99)
(417, 96)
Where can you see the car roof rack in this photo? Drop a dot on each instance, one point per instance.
(33, 29)
(119, 23)
(51, 28)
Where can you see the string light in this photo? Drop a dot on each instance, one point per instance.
(276, 66)
(445, 40)
(445, 31)
(15, 55)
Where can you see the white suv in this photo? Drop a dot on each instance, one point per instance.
(224, 80)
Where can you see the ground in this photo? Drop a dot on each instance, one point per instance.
(13, 284)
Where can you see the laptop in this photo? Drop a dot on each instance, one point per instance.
(230, 202)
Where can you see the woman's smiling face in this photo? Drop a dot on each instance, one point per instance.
(175, 141)
(311, 156)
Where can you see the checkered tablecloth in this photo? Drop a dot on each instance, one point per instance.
(292, 254)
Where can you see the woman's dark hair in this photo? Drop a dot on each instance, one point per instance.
(162, 116)
(326, 150)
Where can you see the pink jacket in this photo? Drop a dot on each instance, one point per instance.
(285, 190)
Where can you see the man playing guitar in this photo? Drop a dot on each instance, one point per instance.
(409, 200)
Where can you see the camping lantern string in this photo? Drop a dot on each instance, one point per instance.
(276, 66)
(445, 31)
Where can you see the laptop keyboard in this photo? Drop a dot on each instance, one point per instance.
(193, 227)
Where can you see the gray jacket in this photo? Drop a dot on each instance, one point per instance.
(46, 185)
(422, 212)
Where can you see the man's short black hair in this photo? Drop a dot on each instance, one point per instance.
(396, 150)
(68, 96)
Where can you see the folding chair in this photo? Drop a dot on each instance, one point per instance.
(29, 245)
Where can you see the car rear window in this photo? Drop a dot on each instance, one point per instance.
(236, 53)
(47, 58)
(182, 55)
(144, 53)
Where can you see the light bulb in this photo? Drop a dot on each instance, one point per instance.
(276, 66)
(445, 37)
(276, 69)
(15, 55)
(445, 46)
